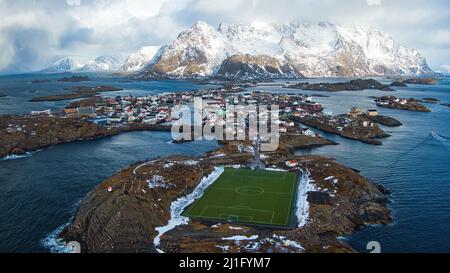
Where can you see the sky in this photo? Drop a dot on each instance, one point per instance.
(35, 33)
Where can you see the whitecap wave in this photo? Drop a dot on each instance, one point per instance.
(54, 243)
(13, 157)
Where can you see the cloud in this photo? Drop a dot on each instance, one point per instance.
(73, 2)
(373, 2)
(445, 68)
(94, 27)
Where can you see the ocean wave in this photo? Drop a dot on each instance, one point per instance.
(54, 243)
(14, 157)
(177, 207)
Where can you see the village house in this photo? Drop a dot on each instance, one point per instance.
(372, 112)
(356, 112)
(292, 163)
(308, 132)
(42, 113)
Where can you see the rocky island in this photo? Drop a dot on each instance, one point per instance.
(401, 104)
(426, 81)
(40, 81)
(2, 95)
(77, 93)
(429, 100)
(353, 85)
(75, 79)
(385, 120)
(347, 126)
(135, 211)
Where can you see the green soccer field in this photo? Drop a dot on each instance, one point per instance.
(246, 196)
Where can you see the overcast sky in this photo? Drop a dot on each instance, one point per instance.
(35, 33)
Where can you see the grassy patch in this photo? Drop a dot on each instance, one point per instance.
(246, 196)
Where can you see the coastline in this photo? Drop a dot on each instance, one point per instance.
(47, 131)
(389, 131)
(365, 134)
(157, 202)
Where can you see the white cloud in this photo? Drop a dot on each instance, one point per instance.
(445, 68)
(373, 2)
(73, 2)
(94, 27)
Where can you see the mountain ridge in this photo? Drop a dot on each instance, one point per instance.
(301, 49)
(104, 63)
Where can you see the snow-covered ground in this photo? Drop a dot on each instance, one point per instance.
(241, 238)
(158, 181)
(302, 206)
(177, 207)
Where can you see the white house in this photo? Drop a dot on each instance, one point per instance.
(292, 163)
(309, 132)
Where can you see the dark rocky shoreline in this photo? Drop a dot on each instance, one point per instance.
(385, 120)
(124, 219)
(369, 135)
(23, 134)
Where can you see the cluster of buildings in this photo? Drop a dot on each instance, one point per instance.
(258, 105)
(154, 109)
(355, 118)
(390, 100)
(128, 109)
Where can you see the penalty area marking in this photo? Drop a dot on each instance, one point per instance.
(221, 215)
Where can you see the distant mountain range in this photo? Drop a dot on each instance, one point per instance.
(67, 64)
(266, 50)
(133, 63)
(76, 64)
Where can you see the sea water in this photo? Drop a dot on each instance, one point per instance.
(40, 193)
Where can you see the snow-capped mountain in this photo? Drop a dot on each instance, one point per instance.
(67, 64)
(79, 64)
(102, 64)
(285, 50)
(139, 60)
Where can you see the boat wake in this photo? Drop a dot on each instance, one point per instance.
(442, 139)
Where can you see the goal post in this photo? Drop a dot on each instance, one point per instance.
(233, 218)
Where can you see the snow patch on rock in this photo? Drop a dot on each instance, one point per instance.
(177, 207)
(302, 206)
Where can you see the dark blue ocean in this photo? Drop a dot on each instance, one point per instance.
(40, 193)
